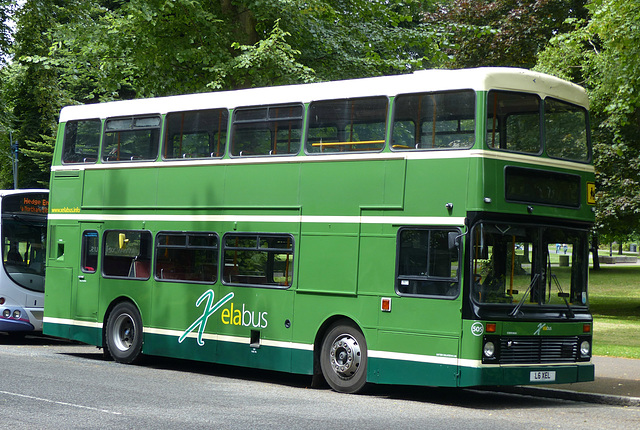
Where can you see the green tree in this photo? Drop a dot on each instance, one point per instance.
(32, 90)
(503, 32)
(602, 53)
(7, 9)
(84, 51)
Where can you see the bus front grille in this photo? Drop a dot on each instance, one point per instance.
(536, 349)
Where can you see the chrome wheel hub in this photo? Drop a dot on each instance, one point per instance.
(345, 356)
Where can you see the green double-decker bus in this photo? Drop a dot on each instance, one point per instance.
(424, 229)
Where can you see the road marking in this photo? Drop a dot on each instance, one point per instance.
(60, 403)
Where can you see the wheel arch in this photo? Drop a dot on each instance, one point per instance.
(115, 302)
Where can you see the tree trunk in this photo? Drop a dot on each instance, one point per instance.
(594, 250)
(246, 33)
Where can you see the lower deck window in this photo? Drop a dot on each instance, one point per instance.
(186, 257)
(258, 259)
(89, 253)
(127, 254)
(427, 262)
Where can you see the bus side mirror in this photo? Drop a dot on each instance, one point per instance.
(122, 240)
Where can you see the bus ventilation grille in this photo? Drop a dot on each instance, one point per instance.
(538, 350)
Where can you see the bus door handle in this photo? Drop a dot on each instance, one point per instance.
(81, 278)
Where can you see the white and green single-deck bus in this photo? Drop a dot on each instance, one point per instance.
(424, 229)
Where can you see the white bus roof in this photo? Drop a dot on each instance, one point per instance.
(480, 79)
(20, 191)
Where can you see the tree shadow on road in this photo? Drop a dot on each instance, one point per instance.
(474, 398)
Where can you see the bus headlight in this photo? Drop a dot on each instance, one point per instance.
(489, 349)
(16, 314)
(585, 348)
(6, 313)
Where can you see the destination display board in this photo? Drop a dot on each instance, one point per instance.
(533, 186)
(33, 203)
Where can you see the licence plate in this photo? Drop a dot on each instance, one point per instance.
(542, 376)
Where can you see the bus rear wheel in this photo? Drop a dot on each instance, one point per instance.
(124, 333)
(343, 358)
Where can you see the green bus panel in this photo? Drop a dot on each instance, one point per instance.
(330, 263)
(432, 184)
(406, 372)
(343, 187)
(121, 188)
(376, 265)
(68, 186)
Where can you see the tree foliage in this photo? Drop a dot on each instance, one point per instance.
(503, 32)
(85, 51)
(7, 8)
(603, 54)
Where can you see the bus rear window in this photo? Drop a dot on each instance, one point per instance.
(81, 141)
(444, 120)
(131, 139)
(347, 125)
(196, 134)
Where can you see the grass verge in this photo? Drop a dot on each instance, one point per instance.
(614, 297)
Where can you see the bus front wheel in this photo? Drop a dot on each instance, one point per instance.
(343, 358)
(124, 333)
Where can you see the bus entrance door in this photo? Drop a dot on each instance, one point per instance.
(86, 287)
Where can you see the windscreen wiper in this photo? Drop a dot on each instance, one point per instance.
(560, 292)
(515, 310)
(563, 295)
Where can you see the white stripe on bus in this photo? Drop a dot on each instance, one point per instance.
(313, 158)
(295, 219)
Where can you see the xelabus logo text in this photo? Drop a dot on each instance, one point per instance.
(209, 310)
(232, 315)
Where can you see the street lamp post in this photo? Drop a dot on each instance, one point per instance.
(14, 159)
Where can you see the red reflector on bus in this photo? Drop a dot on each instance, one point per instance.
(586, 328)
(491, 327)
(386, 304)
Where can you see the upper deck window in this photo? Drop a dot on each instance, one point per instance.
(443, 120)
(267, 130)
(81, 141)
(513, 122)
(196, 134)
(565, 130)
(347, 125)
(131, 139)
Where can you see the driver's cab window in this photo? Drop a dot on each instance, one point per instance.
(428, 262)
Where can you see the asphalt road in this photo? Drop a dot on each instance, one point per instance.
(58, 385)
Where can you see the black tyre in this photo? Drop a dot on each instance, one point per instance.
(123, 336)
(343, 358)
